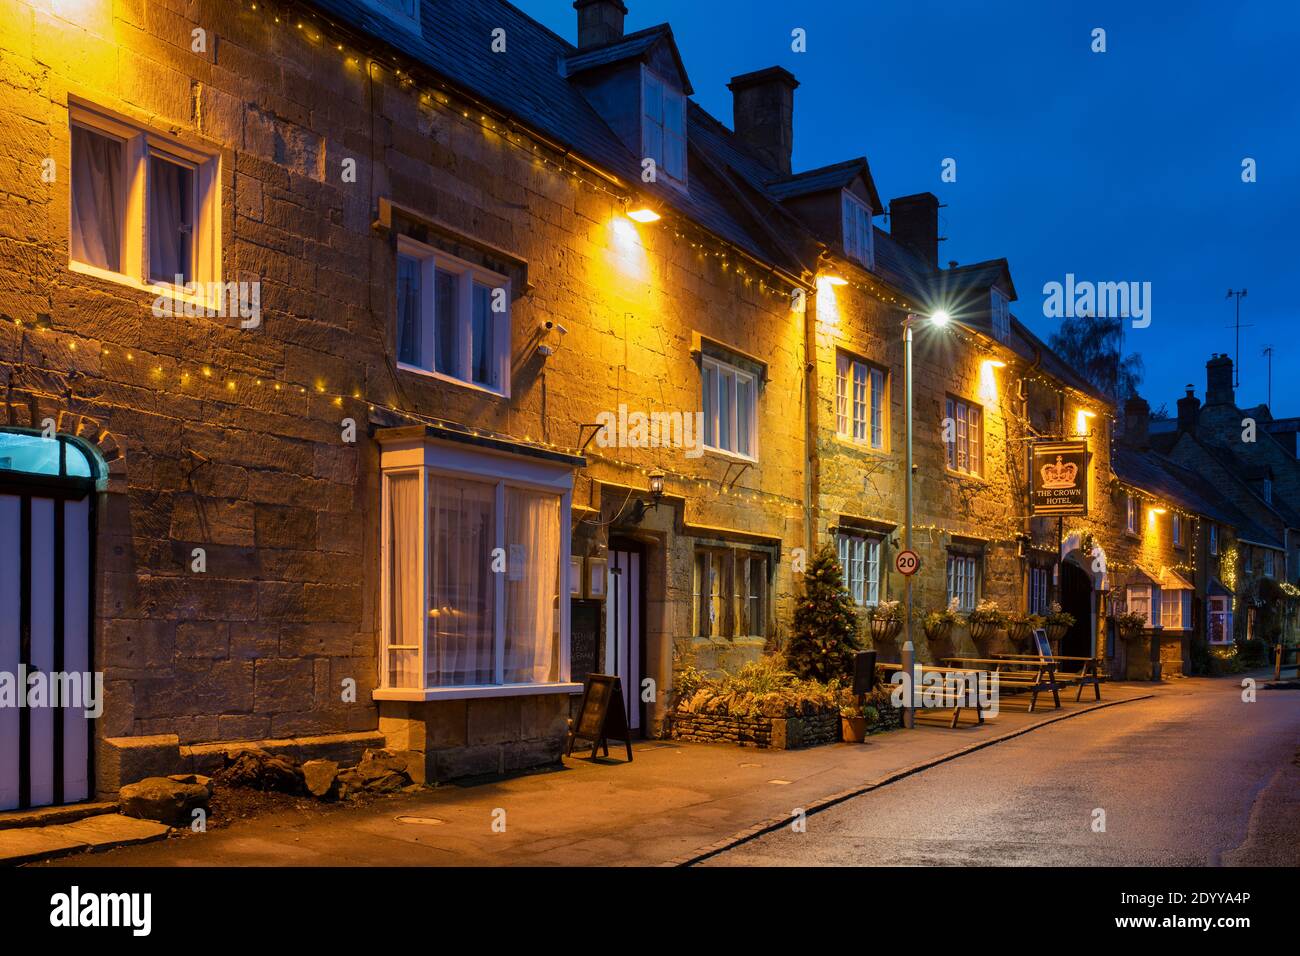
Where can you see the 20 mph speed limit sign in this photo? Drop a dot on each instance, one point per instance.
(907, 562)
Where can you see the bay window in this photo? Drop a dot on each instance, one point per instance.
(860, 559)
(1140, 601)
(143, 207)
(453, 318)
(1175, 608)
(730, 399)
(476, 560)
(860, 401)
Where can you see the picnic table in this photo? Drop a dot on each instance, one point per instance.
(949, 690)
(1034, 675)
(1089, 673)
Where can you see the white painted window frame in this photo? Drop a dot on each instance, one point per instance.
(1175, 614)
(434, 459)
(859, 556)
(1218, 606)
(432, 260)
(963, 580)
(854, 376)
(720, 369)
(139, 144)
(672, 98)
(1000, 310)
(966, 442)
(859, 236)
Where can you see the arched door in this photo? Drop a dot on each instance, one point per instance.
(48, 691)
(1076, 599)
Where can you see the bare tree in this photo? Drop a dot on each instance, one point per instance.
(1092, 347)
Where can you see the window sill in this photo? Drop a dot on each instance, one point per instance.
(730, 455)
(156, 289)
(452, 380)
(473, 692)
(861, 446)
(965, 475)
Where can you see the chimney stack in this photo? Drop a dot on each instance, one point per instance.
(762, 106)
(914, 223)
(599, 21)
(1218, 381)
(1189, 409)
(1137, 423)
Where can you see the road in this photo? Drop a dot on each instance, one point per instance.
(1199, 778)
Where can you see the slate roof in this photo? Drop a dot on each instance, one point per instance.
(731, 193)
(824, 178)
(631, 46)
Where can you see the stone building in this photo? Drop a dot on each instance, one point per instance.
(343, 338)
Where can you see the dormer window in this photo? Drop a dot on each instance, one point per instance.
(859, 241)
(1000, 309)
(663, 127)
(405, 13)
(1268, 490)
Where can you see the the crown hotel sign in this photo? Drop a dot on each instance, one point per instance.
(1058, 483)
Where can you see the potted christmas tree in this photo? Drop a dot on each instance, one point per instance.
(825, 632)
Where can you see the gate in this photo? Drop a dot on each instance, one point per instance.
(47, 519)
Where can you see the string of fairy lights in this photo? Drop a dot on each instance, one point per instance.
(206, 378)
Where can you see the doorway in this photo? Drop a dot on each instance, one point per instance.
(1076, 599)
(47, 518)
(625, 626)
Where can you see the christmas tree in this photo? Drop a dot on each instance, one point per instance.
(825, 633)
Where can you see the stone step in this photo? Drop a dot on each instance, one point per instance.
(100, 832)
(45, 816)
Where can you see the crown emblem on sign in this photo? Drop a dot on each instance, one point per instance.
(1059, 475)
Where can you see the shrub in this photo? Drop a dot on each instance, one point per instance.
(761, 688)
(825, 632)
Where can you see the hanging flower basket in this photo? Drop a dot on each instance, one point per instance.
(1055, 632)
(1021, 628)
(985, 621)
(937, 630)
(885, 629)
(1130, 626)
(983, 630)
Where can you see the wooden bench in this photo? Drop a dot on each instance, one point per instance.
(949, 691)
(1035, 676)
(1089, 673)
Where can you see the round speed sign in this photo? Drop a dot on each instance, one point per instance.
(907, 562)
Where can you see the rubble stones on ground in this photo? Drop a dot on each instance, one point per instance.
(321, 778)
(169, 800)
(260, 770)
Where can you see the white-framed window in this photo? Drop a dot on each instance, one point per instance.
(963, 580)
(732, 592)
(1040, 579)
(859, 239)
(1175, 608)
(453, 318)
(405, 13)
(1177, 530)
(1132, 515)
(1218, 620)
(966, 450)
(663, 126)
(144, 208)
(1269, 566)
(1000, 310)
(860, 401)
(860, 558)
(1214, 539)
(730, 401)
(1144, 599)
(474, 573)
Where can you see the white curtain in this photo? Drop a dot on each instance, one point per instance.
(170, 202)
(97, 197)
(462, 603)
(532, 586)
(405, 627)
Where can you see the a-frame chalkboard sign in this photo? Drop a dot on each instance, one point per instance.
(601, 716)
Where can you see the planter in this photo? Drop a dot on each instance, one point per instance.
(1020, 632)
(983, 630)
(885, 630)
(853, 729)
(778, 733)
(1055, 632)
(939, 632)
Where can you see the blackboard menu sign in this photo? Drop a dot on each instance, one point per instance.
(584, 637)
(601, 715)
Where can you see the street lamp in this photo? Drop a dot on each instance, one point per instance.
(940, 319)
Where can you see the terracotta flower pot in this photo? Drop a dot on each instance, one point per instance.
(853, 729)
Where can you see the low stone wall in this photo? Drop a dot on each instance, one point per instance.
(777, 733)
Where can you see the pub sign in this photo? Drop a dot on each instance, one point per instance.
(1058, 478)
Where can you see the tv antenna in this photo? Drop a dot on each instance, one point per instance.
(1268, 354)
(1236, 362)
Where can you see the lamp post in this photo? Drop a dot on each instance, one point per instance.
(939, 318)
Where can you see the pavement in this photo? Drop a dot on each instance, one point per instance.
(1194, 776)
(675, 803)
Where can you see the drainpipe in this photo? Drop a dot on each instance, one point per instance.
(812, 459)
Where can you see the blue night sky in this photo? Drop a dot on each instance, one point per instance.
(1121, 166)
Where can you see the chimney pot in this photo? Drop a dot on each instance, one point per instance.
(1189, 410)
(762, 105)
(914, 223)
(1218, 381)
(599, 22)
